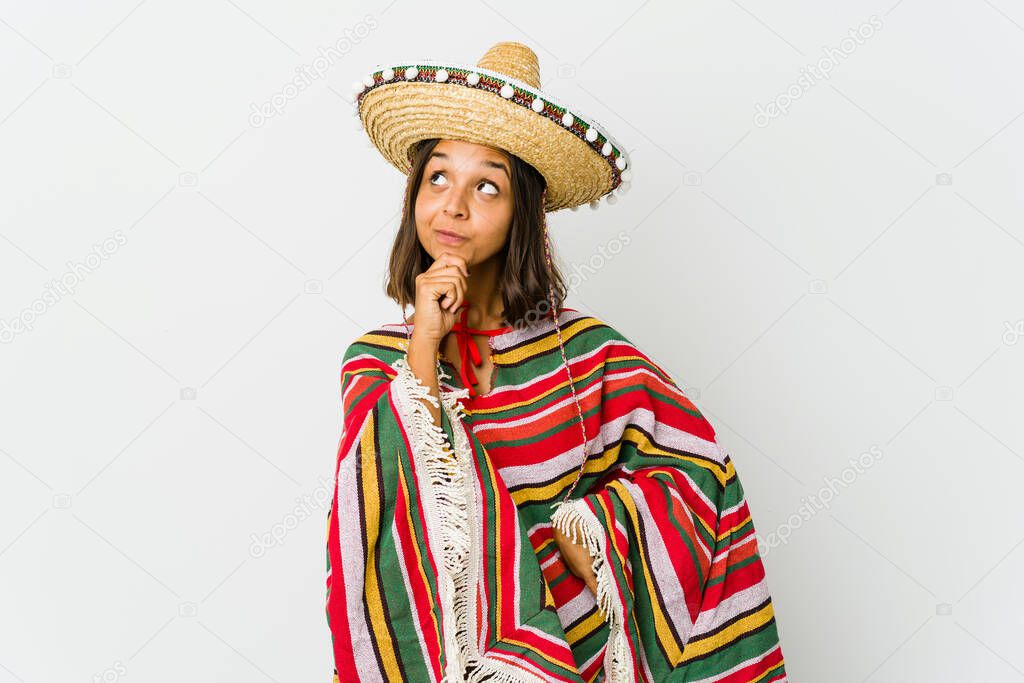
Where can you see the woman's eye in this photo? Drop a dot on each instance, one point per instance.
(483, 183)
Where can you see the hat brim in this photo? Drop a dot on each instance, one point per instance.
(399, 113)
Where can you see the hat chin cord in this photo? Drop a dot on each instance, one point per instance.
(561, 346)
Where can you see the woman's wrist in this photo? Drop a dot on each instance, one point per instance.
(420, 351)
(423, 351)
(422, 358)
(422, 342)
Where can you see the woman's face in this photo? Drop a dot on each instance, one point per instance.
(466, 190)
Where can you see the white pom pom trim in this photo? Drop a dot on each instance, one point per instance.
(507, 91)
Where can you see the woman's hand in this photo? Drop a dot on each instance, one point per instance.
(577, 559)
(440, 292)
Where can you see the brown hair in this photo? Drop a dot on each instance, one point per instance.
(525, 278)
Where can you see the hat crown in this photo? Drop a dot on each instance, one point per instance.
(513, 59)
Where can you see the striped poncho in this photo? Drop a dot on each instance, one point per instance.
(441, 560)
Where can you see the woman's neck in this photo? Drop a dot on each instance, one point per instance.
(486, 302)
(486, 319)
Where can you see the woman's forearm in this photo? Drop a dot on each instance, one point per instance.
(422, 358)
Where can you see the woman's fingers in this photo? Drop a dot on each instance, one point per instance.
(577, 558)
(446, 293)
(453, 287)
(580, 565)
(451, 269)
(446, 259)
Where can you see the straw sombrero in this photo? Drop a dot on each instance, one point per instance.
(497, 102)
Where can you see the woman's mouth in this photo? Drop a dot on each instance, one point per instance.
(449, 237)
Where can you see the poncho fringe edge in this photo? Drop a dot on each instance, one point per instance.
(447, 471)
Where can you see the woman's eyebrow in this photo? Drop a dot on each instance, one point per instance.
(485, 162)
(497, 164)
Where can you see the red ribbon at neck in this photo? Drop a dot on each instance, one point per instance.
(469, 355)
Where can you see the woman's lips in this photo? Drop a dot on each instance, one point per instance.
(449, 238)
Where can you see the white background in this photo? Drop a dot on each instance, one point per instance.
(847, 277)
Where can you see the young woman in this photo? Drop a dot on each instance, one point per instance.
(465, 425)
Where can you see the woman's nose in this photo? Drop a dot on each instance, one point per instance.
(455, 206)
